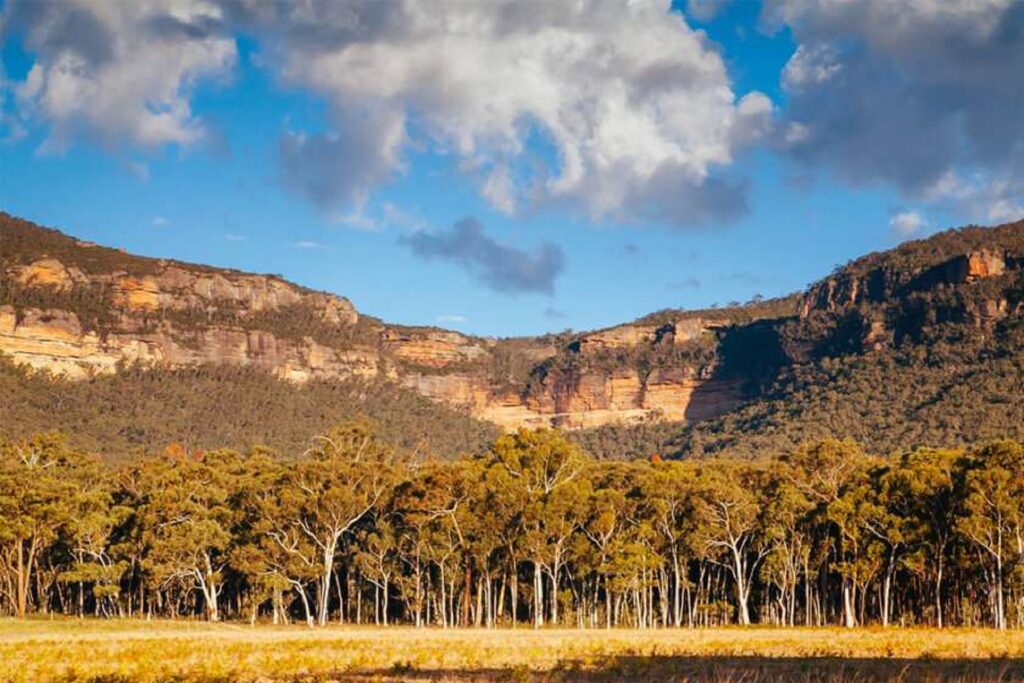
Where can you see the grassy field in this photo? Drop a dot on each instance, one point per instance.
(191, 652)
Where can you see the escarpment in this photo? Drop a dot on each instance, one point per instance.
(76, 310)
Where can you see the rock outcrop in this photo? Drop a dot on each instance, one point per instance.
(54, 340)
(432, 348)
(76, 309)
(853, 287)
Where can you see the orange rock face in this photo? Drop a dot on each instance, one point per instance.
(436, 363)
(137, 294)
(54, 341)
(620, 337)
(433, 348)
(45, 273)
(982, 264)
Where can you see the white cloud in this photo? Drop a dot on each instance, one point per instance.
(810, 66)
(705, 10)
(357, 219)
(636, 105)
(309, 244)
(981, 196)
(122, 71)
(160, 221)
(371, 217)
(907, 223)
(394, 215)
(451, 318)
(911, 93)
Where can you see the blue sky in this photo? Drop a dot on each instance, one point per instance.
(278, 163)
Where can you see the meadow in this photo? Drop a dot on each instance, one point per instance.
(111, 651)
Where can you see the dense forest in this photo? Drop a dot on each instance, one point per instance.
(139, 410)
(956, 388)
(531, 530)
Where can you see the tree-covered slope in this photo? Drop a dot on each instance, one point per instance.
(919, 346)
(144, 410)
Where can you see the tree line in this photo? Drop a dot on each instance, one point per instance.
(532, 532)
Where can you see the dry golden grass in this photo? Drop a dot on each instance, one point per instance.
(115, 651)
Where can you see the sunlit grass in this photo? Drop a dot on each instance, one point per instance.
(94, 650)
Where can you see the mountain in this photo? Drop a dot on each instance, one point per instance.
(80, 310)
(895, 348)
(922, 345)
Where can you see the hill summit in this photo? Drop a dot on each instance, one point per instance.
(918, 343)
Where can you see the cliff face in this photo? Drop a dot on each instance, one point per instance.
(76, 309)
(592, 380)
(884, 305)
(141, 327)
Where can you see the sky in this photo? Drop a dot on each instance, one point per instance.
(513, 168)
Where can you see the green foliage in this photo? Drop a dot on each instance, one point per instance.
(143, 410)
(533, 530)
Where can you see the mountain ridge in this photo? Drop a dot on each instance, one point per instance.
(682, 382)
(76, 309)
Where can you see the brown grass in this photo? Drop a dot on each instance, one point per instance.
(69, 650)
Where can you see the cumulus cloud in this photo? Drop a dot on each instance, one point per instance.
(980, 195)
(499, 266)
(617, 110)
(705, 10)
(636, 106)
(907, 223)
(121, 71)
(340, 168)
(909, 93)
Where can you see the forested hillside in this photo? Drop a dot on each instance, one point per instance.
(139, 411)
(919, 346)
(922, 345)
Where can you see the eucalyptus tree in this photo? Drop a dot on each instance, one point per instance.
(506, 503)
(605, 527)
(993, 518)
(485, 528)
(924, 497)
(377, 559)
(39, 497)
(789, 534)
(728, 511)
(92, 539)
(336, 484)
(261, 553)
(539, 463)
(188, 520)
(824, 472)
(668, 500)
(551, 521)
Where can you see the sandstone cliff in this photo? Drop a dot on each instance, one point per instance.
(76, 309)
